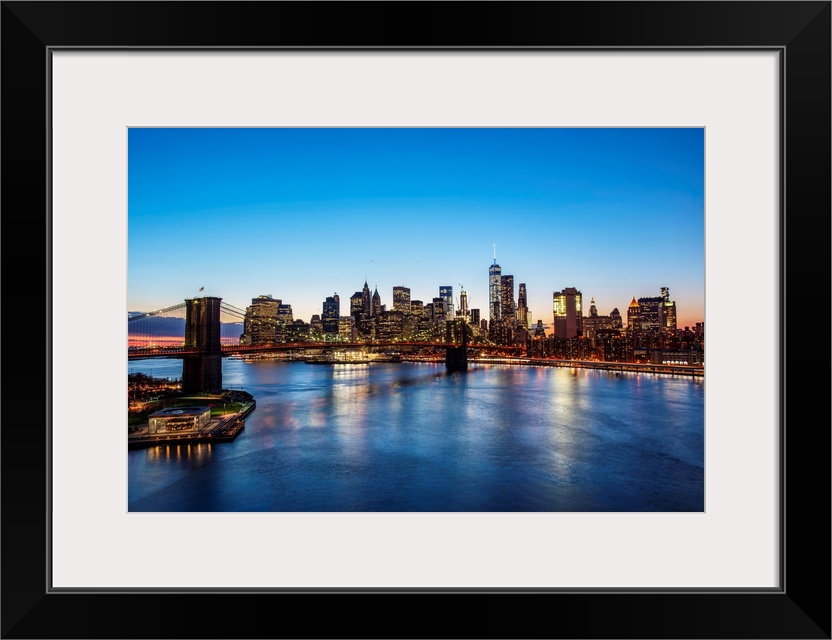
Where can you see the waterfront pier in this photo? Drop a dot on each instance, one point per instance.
(221, 429)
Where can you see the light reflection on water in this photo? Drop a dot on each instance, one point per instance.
(408, 437)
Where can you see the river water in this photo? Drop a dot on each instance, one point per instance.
(411, 437)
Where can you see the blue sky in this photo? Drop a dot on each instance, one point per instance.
(304, 213)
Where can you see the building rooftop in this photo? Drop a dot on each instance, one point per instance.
(179, 411)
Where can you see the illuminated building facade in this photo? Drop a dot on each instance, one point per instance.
(495, 293)
(316, 326)
(367, 328)
(593, 324)
(346, 329)
(567, 306)
(447, 294)
(375, 307)
(668, 318)
(284, 314)
(439, 315)
(634, 316)
(180, 420)
(284, 319)
(298, 331)
(507, 301)
(390, 325)
(357, 305)
(401, 299)
(366, 301)
(330, 315)
(523, 314)
(652, 313)
(260, 322)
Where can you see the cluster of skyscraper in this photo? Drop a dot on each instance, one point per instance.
(268, 320)
(508, 323)
(651, 332)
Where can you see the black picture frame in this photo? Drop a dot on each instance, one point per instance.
(799, 31)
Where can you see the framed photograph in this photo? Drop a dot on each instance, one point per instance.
(544, 404)
(602, 177)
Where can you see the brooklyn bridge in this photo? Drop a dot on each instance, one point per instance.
(202, 331)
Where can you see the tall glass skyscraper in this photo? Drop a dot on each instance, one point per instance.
(495, 291)
(330, 315)
(356, 305)
(447, 294)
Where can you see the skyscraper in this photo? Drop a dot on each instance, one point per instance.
(346, 328)
(439, 315)
(285, 314)
(566, 306)
(366, 304)
(495, 291)
(447, 294)
(316, 326)
(331, 314)
(668, 316)
(507, 300)
(260, 323)
(285, 317)
(594, 324)
(375, 308)
(357, 305)
(656, 313)
(523, 307)
(634, 316)
(650, 313)
(463, 304)
(401, 300)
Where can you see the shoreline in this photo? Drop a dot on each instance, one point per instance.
(622, 367)
(697, 371)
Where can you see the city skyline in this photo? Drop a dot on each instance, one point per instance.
(302, 214)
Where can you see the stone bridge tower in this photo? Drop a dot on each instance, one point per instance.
(202, 371)
(456, 358)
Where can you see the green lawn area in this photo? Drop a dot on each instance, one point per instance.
(228, 407)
